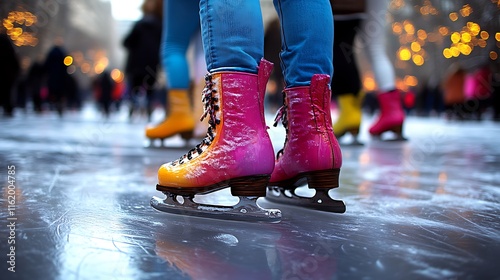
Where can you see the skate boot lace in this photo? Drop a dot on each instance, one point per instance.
(210, 99)
(282, 116)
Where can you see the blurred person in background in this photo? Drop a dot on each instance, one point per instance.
(57, 75)
(9, 72)
(373, 38)
(453, 91)
(143, 46)
(34, 82)
(371, 29)
(477, 91)
(103, 90)
(74, 100)
(181, 29)
(272, 48)
(495, 85)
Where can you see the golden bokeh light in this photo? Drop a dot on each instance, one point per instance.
(418, 60)
(474, 28)
(397, 28)
(443, 30)
(466, 37)
(466, 10)
(484, 35)
(465, 49)
(409, 28)
(369, 83)
(455, 37)
(68, 60)
(397, 4)
(424, 10)
(453, 16)
(447, 53)
(410, 80)
(117, 75)
(415, 46)
(400, 84)
(99, 68)
(14, 23)
(493, 55)
(404, 54)
(421, 34)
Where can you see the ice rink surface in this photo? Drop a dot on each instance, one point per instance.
(428, 208)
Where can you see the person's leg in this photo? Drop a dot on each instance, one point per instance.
(307, 30)
(374, 32)
(311, 150)
(5, 98)
(346, 83)
(347, 80)
(180, 22)
(374, 37)
(198, 71)
(232, 33)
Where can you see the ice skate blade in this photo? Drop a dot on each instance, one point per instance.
(163, 143)
(320, 201)
(397, 138)
(397, 133)
(353, 143)
(246, 209)
(353, 140)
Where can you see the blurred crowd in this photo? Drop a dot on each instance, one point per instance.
(46, 83)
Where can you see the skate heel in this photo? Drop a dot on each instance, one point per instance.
(339, 134)
(186, 135)
(323, 179)
(397, 129)
(249, 186)
(354, 131)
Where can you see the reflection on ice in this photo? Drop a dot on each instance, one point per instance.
(425, 209)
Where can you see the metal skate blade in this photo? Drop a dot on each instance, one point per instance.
(320, 201)
(174, 142)
(396, 138)
(354, 143)
(350, 141)
(399, 138)
(245, 210)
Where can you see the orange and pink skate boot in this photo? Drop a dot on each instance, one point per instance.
(236, 153)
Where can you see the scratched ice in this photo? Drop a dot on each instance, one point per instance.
(428, 208)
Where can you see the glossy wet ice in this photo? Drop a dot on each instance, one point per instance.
(424, 209)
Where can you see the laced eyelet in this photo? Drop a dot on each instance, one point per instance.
(282, 115)
(210, 107)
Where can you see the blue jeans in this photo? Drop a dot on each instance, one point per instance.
(233, 37)
(181, 21)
